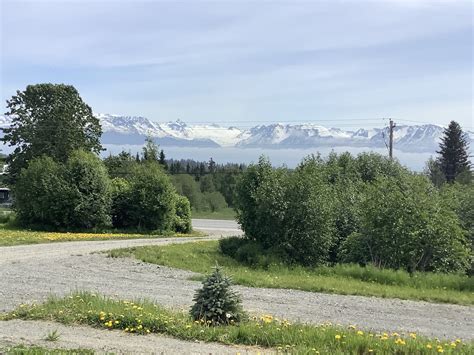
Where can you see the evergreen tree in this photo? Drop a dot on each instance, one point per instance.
(454, 159)
(162, 160)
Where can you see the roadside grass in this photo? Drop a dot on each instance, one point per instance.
(226, 214)
(37, 350)
(12, 235)
(200, 257)
(143, 317)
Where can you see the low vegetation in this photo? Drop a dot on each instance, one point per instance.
(38, 350)
(265, 331)
(10, 236)
(259, 271)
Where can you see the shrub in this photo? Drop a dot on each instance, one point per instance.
(308, 224)
(152, 198)
(90, 195)
(121, 196)
(405, 224)
(261, 202)
(216, 303)
(214, 201)
(182, 220)
(42, 194)
(74, 195)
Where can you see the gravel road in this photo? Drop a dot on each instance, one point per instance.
(106, 341)
(32, 272)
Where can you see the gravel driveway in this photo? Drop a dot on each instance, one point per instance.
(32, 272)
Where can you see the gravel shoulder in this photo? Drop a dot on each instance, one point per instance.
(29, 333)
(31, 273)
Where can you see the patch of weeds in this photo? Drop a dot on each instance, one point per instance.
(142, 317)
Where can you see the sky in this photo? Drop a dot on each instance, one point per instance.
(345, 64)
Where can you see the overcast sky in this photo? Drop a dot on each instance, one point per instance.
(339, 63)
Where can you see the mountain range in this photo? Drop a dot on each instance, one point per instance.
(132, 130)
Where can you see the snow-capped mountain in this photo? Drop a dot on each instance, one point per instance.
(132, 130)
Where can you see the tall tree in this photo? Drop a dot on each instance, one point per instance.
(51, 120)
(150, 150)
(454, 159)
(162, 160)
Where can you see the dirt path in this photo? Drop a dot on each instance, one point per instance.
(29, 273)
(33, 333)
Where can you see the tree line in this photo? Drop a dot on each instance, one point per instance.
(366, 209)
(59, 181)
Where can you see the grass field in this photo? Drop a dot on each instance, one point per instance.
(344, 279)
(10, 236)
(143, 317)
(226, 213)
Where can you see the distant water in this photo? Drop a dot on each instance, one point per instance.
(289, 157)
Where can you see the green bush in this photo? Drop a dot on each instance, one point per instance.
(42, 194)
(216, 303)
(74, 195)
(152, 202)
(90, 195)
(406, 224)
(308, 228)
(182, 221)
(121, 196)
(214, 201)
(261, 202)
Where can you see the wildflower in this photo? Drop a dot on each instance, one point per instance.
(428, 346)
(360, 332)
(458, 341)
(400, 341)
(188, 326)
(337, 337)
(413, 335)
(453, 344)
(440, 350)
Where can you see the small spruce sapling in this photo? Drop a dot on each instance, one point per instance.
(216, 303)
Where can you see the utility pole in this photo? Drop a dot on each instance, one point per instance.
(390, 143)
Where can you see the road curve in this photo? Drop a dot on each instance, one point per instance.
(32, 272)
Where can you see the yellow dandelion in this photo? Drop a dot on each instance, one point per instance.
(428, 346)
(337, 337)
(360, 332)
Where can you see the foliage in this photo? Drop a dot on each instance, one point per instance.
(74, 195)
(144, 317)
(182, 221)
(121, 165)
(454, 159)
(307, 232)
(215, 201)
(42, 194)
(261, 202)
(150, 150)
(405, 224)
(340, 279)
(90, 196)
(216, 303)
(51, 120)
(121, 202)
(152, 199)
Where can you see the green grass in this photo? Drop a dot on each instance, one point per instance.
(343, 279)
(226, 213)
(143, 317)
(37, 350)
(10, 235)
